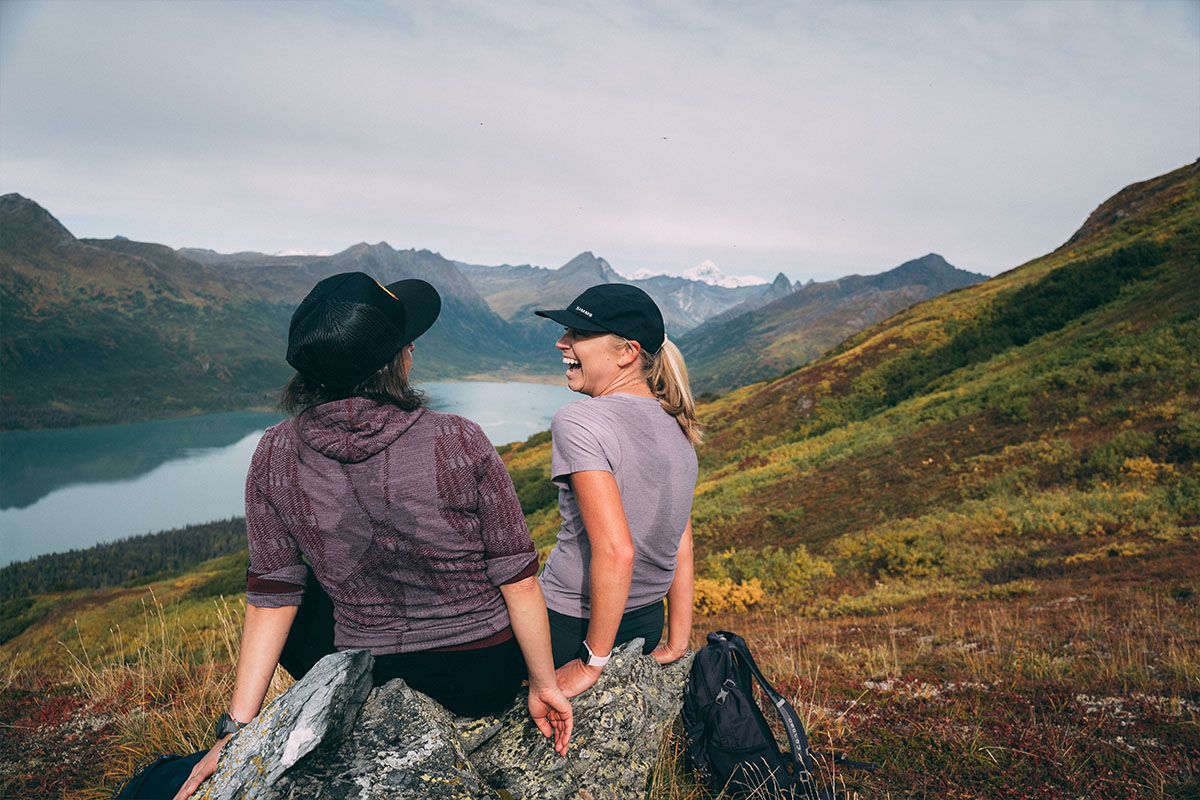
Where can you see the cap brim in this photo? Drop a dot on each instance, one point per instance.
(421, 302)
(569, 319)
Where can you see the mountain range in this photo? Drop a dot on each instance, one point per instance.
(112, 330)
(514, 292)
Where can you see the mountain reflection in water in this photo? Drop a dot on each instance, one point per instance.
(72, 488)
(35, 463)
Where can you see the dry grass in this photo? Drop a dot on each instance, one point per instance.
(1083, 689)
(168, 687)
(1081, 685)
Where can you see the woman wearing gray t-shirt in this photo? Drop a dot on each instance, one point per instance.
(625, 464)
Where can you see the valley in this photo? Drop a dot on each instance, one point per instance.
(111, 330)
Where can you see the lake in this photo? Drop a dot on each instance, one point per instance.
(72, 488)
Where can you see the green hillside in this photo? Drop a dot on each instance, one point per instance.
(469, 337)
(735, 349)
(117, 331)
(965, 541)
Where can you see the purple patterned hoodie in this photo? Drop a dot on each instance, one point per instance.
(408, 518)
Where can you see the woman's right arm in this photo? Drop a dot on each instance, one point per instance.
(263, 635)
(679, 604)
(507, 548)
(548, 706)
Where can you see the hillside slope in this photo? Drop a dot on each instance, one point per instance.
(112, 330)
(109, 331)
(468, 338)
(969, 538)
(736, 349)
(1041, 416)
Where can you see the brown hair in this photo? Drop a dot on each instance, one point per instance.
(668, 379)
(388, 385)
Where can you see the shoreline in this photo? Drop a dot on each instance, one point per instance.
(545, 380)
(534, 378)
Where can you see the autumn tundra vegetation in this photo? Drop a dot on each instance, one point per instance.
(964, 541)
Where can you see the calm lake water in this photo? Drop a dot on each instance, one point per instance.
(66, 489)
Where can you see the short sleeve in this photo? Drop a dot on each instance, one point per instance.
(579, 444)
(508, 551)
(277, 575)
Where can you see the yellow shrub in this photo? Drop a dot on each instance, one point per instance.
(717, 596)
(1115, 550)
(785, 575)
(1144, 468)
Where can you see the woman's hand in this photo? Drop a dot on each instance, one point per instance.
(551, 712)
(201, 772)
(263, 634)
(665, 654)
(575, 677)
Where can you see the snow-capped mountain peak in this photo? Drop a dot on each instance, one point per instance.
(704, 272)
(641, 274)
(298, 252)
(707, 272)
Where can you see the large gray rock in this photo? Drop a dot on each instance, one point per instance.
(619, 726)
(322, 705)
(403, 745)
(326, 738)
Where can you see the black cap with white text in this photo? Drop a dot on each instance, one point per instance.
(615, 308)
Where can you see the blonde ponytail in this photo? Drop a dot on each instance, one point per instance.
(667, 375)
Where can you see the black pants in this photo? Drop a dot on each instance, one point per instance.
(567, 633)
(472, 683)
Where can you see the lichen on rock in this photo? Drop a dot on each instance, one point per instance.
(322, 705)
(619, 725)
(331, 736)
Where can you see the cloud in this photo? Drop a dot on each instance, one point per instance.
(816, 139)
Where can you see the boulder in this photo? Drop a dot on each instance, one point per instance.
(323, 705)
(331, 736)
(619, 725)
(404, 745)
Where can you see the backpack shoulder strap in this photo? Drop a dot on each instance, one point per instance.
(797, 738)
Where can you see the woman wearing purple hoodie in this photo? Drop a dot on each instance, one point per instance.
(388, 526)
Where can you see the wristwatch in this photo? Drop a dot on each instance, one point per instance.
(227, 725)
(589, 658)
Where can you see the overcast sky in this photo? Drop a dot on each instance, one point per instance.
(813, 139)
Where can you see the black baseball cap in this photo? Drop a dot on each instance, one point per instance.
(614, 308)
(350, 326)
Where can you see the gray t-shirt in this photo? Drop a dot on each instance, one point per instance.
(655, 468)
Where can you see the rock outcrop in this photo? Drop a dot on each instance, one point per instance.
(331, 736)
(619, 724)
(320, 708)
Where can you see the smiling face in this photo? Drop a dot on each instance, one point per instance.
(600, 363)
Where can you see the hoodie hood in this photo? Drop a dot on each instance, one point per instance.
(354, 429)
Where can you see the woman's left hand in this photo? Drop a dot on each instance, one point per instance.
(664, 654)
(575, 677)
(551, 713)
(202, 771)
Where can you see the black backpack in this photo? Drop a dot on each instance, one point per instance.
(160, 779)
(728, 741)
